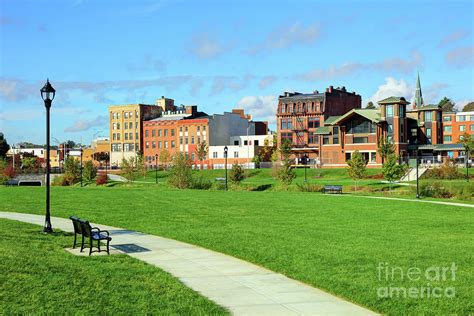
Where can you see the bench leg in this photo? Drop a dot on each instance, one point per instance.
(74, 245)
(108, 243)
(98, 244)
(82, 244)
(90, 249)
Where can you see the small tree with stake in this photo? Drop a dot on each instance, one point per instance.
(356, 167)
(202, 152)
(286, 174)
(386, 148)
(392, 170)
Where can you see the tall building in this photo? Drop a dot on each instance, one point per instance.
(300, 115)
(126, 125)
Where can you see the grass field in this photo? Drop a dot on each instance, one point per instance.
(39, 277)
(332, 242)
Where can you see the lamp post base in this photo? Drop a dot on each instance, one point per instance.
(47, 230)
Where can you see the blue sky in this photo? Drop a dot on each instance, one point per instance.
(220, 55)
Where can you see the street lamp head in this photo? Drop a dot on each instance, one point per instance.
(48, 92)
(225, 151)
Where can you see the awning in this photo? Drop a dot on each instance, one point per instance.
(323, 130)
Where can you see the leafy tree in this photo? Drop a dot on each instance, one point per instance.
(101, 157)
(140, 165)
(265, 153)
(129, 169)
(202, 152)
(467, 141)
(468, 107)
(356, 167)
(386, 148)
(286, 174)
(89, 172)
(72, 171)
(447, 105)
(70, 144)
(29, 163)
(257, 160)
(392, 170)
(4, 147)
(236, 174)
(3, 166)
(181, 171)
(370, 105)
(165, 158)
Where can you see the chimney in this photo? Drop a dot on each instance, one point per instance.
(330, 89)
(327, 90)
(191, 109)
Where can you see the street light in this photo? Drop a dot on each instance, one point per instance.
(225, 165)
(467, 162)
(156, 168)
(47, 94)
(416, 158)
(81, 165)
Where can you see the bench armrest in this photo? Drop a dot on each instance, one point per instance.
(100, 231)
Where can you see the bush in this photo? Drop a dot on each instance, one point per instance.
(9, 172)
(90, 171)
(307, 187)
(201, 183)
(435, 189)
(236, 174)
(101, 179)
(446, 171)
(72, 171)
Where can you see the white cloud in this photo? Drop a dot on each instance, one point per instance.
(84, 125)
(460, 57)
(454, 37)
(392, 87)
(261, 107)
(266, 81)
(205, 47)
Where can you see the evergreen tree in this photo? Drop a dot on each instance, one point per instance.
(4, 147)
(370, 105)
(356, 167)
(447, 105)
(236, 174)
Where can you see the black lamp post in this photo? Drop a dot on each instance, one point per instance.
(47, 94)
(467, 162)
(417, 183)
(156, 168)
(81, 165)
(225, 165)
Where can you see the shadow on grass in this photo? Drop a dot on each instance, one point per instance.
(262, 187)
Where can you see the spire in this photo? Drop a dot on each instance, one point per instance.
(418, 102)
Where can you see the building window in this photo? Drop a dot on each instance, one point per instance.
(166, 144)
(447, 138)
(126, 136)
(192, 140)
(130, 136)
(185, 128)
(204, 128)
(390, 128)
(192, 156)
(159, 133)
(313, 122)
(428, 116)
(146, 133)
(389, 111)
(462, 128)
(181, 140)
(325, 139)
(153, 133)
(186, 141)
(118, 125)
(136, 125)
(126, 147)
(360, 126)
(361, 140)
(125, 115)
(236, 154)
(214, 154)
(447, 128)
(136, 136)
(446, 118)
(256, 141)
(313, 139)
(114, 126)
(348, 156)
(126, 125)
(118, 136)
(172, 132)
(402, 110)
(153, 144)
(198, 128)
(114, 116)
(335, 135)
(286, 123)
(287, 136)
(147, 145)
(114, 137)
(471, 128)
(159, 144)
(180, 128)
(461, 118)
(166, 133)
(173, 144)
(373, 156)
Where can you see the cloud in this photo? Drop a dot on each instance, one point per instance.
(149, 63)
(229, 83)
(266, 81)
(454, 37)
(84, 125)
(395, 64)
(22, 114)
(432, 93)
(206, 47)
(460, 57)
(5, 20)
(261, 107)
(286, 36)
(392, 87)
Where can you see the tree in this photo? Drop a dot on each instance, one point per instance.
(181, 171)
(467, 141)
(3, 167)
(129, 169)
(70, 144)
(356, 167)
(392, 170)
(468, 107)
(286, 174)
(265, 153)
(4, 147)
(72, 171)
(370, 105)
(140, 165)
(202, 152)
(447, 105)
(29, 163)
(386, 148)
(101, 157)
(89, 172)
(165, 158)
(236, 174)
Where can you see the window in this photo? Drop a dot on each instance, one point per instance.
(390, 128)
(287, 136)
(256, 141)
(130, 114)
(115, 147)
(313, 139)
(136, 136)
(236, 154)
(360, 126)
(325, 139)
(180, 128)
(186, 141)
(471, 118)
(114, 115)
(192, 156)
(348, 156)
(125, 115)
(447, 138)
(130, 136)
(153, 144)
(172, 132)
(114, 137)
(136, 114)
(118, 125)
(159, 133)
(361, 140)
(166, 144)
(373, 156)
(114, 126)
(313, 122)
(461, 118)
(118, 115)
(166, 133)
(428, 116)
(389, 110)
(147, 145)
(126, 147)
(214, 154)
(126, 136)
(236, 143)
(402, 110)
(462, 128)
(173, 144)
(198, 128)
(283, 108)
(286, 123)
(186, 129)
(159, 144)
(447, 128)
(118, 136)
(192, 140)
(335, 135)
(471, 127)
(204, 128)
(153, 133)
(446, 118)
(181, 140)
(146, 133)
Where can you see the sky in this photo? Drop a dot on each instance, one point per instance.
(220, 55)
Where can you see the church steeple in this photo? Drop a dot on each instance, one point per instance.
(418, 101)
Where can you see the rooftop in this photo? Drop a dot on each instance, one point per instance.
(391, 100)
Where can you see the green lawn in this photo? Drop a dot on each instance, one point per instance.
(39, 277)
(332, 242)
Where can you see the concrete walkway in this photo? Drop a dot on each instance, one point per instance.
(241, 287)
(406, 200)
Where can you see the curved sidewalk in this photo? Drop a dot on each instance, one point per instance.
(241, 287)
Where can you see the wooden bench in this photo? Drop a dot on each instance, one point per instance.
(85, 230)
(332, 189)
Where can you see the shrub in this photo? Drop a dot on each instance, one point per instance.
(447, 171)
(90, 171)
(72, 171)
(101, 179)
(200, 183)
(435, 189)
(58, 181)
(181, 172)
(307, 187)
(236, 174)
(9, 172)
